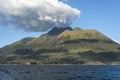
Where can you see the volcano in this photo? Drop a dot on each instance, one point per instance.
(63, 45)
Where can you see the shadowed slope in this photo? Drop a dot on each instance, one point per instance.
(58, 30)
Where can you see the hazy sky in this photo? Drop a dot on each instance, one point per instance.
(102, 15)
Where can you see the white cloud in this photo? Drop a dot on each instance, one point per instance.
(36, 15)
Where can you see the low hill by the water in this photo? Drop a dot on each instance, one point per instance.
(67, 46)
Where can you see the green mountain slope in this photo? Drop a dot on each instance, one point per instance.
(68, 46)
(82, 34)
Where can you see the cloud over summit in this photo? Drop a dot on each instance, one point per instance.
(36, 15)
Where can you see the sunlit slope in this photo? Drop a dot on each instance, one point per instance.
(82, 34)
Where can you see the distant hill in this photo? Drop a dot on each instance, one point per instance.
(63, 45)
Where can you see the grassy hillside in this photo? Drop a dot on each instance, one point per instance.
(75, 46)
(82, 34)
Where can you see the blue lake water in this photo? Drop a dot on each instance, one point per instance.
(66, 72)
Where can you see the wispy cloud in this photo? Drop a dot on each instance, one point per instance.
(36, 15)
(64, 0)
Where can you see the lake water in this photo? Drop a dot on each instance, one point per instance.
(66, 72)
